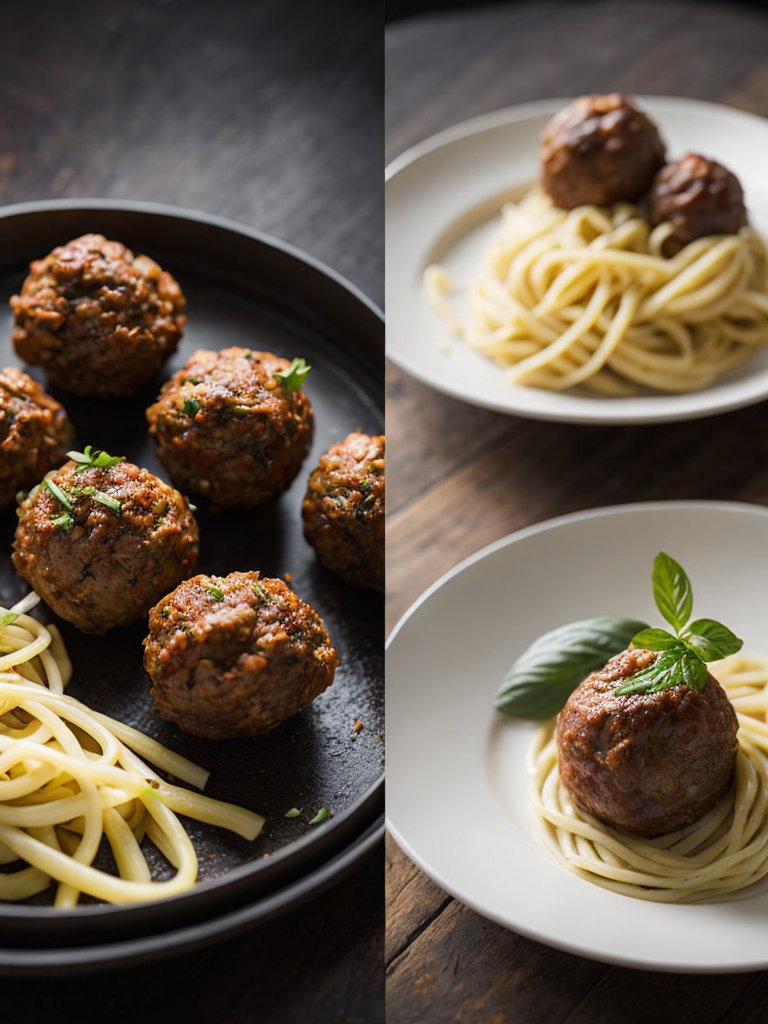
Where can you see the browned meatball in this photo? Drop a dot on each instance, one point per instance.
(698, 197)
(343, 510)
(101, 544)
(99, 320)
(648, 763)
(233, 426)
(600, 150)
(35, 433)
(235, 655)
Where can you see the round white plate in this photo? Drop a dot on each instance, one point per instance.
(457, 798)
(443, 198)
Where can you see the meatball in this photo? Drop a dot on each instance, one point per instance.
(648, 763)
(235, 655)
(600, 150)
(35, 433)
(343, 510)
(100, 321)
(234, 425)
(101, 543)
(698, 197)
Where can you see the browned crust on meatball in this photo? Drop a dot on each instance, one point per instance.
(226, 428)
(698, 197)
(100, 321)
(235, 655)
(98, 568)
(647, 763)
(35, 433)
(599, 149)
(343, 510)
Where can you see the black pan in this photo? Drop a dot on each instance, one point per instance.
(242, 289)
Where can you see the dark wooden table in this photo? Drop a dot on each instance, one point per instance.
(444, 962)
(270, 114)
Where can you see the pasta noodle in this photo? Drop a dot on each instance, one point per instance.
(586, 297)
(70, 777)
(722, 853)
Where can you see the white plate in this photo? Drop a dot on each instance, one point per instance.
(457, 800)
(442, 200)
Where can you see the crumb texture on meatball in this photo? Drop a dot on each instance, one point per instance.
(35, 433)
(99, 320)
(647, 763)
(102, 556)
(343, 510)
(229, 428)
(600, 149)
(235, 655)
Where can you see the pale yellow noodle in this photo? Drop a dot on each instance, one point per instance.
(586, 297)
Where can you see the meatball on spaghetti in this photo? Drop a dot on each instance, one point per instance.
(235, 655)
(101, 540)
(599, 150)
(648, 763)
(100, 321)
(343, 510)
(234, 426)
(35, 433)
(698, 197)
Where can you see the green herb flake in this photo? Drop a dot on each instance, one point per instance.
(683, 654)
(63, 522)
(191, 407)
(113, 504)
(262, 592)
(216, 592)
(294, 812)
(59, 494)
(321, 815)
(7, 618)
(293, 378)
(91, 457)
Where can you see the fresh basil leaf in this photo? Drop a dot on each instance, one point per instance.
(711, 639)
(654, 639)
(671, 590)
(540, 681)
(694, 671)
(666, 671)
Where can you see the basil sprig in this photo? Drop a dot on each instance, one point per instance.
(540, 681)
(293, 378)
(684, 653)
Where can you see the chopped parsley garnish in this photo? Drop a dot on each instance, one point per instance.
(294, 812)
(216, 592)
(106, 499)
(59, 494)
(64, 522)
(90, 457)
(191, 407)
(262, 592)
(321, 815)
(293, 378)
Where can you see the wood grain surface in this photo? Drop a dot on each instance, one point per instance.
(270, 114)
(460, 477)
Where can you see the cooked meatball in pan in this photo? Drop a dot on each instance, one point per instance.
(235, 655)
(101, 540)
(599, 150)
(698, 197)
(648, 763)
(35, 433)
(234, 425)
(100, 321)
(343, 510)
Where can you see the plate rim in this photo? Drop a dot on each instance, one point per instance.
(527, 929)
(655, 408)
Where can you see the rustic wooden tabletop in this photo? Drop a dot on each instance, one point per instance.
(482, 475)
(269, 114)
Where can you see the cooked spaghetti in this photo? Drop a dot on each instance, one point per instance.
(70, 777)
(722, 853)
(587, 297)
